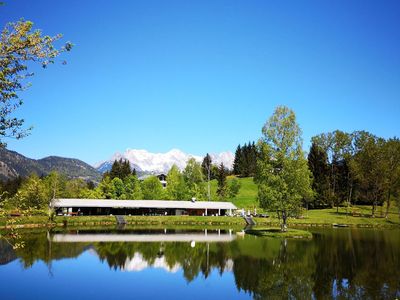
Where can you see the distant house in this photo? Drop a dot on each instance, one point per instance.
(162, 177)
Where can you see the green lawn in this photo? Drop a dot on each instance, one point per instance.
(247, 197)
(320, 217)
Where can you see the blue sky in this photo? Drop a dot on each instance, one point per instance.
(204, 76)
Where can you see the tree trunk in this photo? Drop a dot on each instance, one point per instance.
(350, 195)
(284, 224)
(387, 205)
(374, 207)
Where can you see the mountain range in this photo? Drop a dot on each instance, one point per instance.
(13, 164)
(147, 162)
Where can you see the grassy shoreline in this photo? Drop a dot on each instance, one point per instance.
(276, 232)
(312, 218)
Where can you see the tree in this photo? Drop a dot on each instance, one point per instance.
(176, 188)
(337, 145)
(245, 160)
(152, 188)
(222, 189)
(118, 188)
(120, 169)
(32, 194)
(233, 188)
(318, 165)
(105, 189)
(20, 45)
(132, 188)
(282, 175)
(369, 168)
(391, 152)
(75, 187)
(194, 179)
(55, 185)
(206, 167)
(237, 168)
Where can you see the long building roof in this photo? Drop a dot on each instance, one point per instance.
(142, 204)
(92, 238)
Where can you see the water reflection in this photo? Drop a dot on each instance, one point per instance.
(340, 263)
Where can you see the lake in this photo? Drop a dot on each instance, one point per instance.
(339, 263)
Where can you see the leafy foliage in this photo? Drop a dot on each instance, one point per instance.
(194, 180)
(283, 176)
(152, 188)
(19, 45)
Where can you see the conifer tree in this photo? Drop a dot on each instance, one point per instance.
(206, 166)
(236, 163)
(318, 165)
(222, 190)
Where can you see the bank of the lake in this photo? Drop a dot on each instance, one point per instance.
(355, 217)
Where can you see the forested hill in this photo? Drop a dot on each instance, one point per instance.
(13, 164)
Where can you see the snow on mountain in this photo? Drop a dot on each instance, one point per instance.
(145, 161)
(226, 158)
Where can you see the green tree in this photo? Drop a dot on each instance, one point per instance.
(206, 166)
(392, 160)
(152, 188)
(318, 165)
(176, 187)
(194, 180)
(120, 169)
(233, 188)
(19, 46)
(32, 194)
(282, 175)
(237, 167)
(105, 189)
(337, 145)
(118, 188)
(74, 188)
(222, 188)
(369, 168)
(132, 187)
(55, 184)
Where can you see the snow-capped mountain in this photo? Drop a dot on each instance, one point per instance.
(147, 162)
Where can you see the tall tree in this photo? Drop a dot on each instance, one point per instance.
(32, 194)
(132, 188)
(337, 145)
(282, 175)
(318, 165)
(392, 160)
(222, 188)
(206, 168)
(233, 188)
(20, 45)
(369, 168)
(152, 188)
(194, 179)
(237, 170)
(176, 188)
(120, 169)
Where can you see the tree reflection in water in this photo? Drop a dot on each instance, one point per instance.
(360, 264)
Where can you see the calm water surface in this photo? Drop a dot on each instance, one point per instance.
(197, 264)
